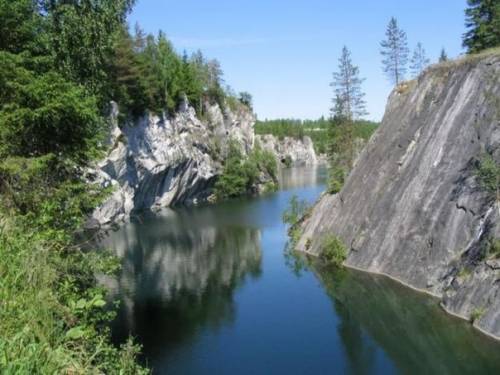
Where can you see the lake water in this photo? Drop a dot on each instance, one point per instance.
(210, 290)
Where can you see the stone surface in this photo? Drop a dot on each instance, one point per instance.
(158, 161)
(300, 152)
(412, 208)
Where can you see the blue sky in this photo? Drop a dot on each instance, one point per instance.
(284, 51)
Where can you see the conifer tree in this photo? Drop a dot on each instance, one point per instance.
(443, 56)
(347, 87)
(394, 52)
(419, 60)
(483, 24)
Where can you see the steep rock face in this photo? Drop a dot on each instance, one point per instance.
(158, 161)
(299, 152)
(413, 207)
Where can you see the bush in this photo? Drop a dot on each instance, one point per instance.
(488, 172)
(240, 174)
(295, 211)
(333, 251)
(336, 178)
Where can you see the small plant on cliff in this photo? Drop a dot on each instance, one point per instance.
(295, 211)
(333, 250)
(488, 173)
(476, 314)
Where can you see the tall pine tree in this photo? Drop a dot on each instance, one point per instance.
(394, 52)
(347, 87)
(443, 56)
(482, 19)
(419, 60)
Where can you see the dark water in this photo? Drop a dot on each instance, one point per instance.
(209, 290)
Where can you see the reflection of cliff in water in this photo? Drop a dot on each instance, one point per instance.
(375, 311)
(296, 177)
(179, 275)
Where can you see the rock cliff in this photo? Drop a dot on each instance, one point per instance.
(414, 207)
(158, 161)
(290, 151)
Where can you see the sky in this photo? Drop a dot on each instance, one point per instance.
(284, 51)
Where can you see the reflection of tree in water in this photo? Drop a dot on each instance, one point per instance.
(179, 275)
(410, 327)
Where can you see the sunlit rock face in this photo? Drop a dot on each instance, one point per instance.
(175, 266)
(292, 151)
(158, 161)
(413, 207)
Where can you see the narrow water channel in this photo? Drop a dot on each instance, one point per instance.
(209, 290)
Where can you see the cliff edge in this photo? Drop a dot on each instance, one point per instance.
(414, 207)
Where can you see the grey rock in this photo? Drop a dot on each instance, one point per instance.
(299, 151)
(412, 207)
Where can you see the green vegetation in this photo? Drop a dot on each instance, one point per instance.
(293, 215)
(483, 24)
(395, 52)
(333, 250)
(488, 173)
(317, 130)
(476, 314)
(241, 174)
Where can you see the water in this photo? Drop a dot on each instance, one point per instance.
(209, 290)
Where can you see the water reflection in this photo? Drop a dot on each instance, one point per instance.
(179, 273)
(410, 327)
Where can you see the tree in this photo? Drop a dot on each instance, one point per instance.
(347, 87)
(482, 19)
(81, 35)
(419, 60)
(394, 52)
(443, 56)
(246, 99)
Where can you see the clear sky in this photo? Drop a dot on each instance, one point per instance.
(284, 51)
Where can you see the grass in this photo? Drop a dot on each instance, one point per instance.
(53, 316)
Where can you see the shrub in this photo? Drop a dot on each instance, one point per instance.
(336, 178)
(476, 314)
(333, 251)
(240, 174)
(494, 248)
(488, 173)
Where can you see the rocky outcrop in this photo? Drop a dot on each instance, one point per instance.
(158, 161)
(290, 151)
(413, 207)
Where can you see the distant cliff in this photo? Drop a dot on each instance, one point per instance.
(290, 151)
(159, 161)
(416, 206)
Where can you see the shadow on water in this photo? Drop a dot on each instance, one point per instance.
(414, 332)
(179, 274)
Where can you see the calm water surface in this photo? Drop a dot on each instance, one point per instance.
(209, 290)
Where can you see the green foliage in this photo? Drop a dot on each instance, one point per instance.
(347, 87)
(488, 173)
(483, 24)
(241, 173)
(333, 251)
(476, 314)
(54, 81)
(45, 113)
(394, 52)
(53, 316)
(295, 211)
(493, 246)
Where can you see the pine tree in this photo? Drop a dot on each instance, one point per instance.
(394, 52)
(419, 60)
(443, 56)
(483, 22)
(347, 87)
